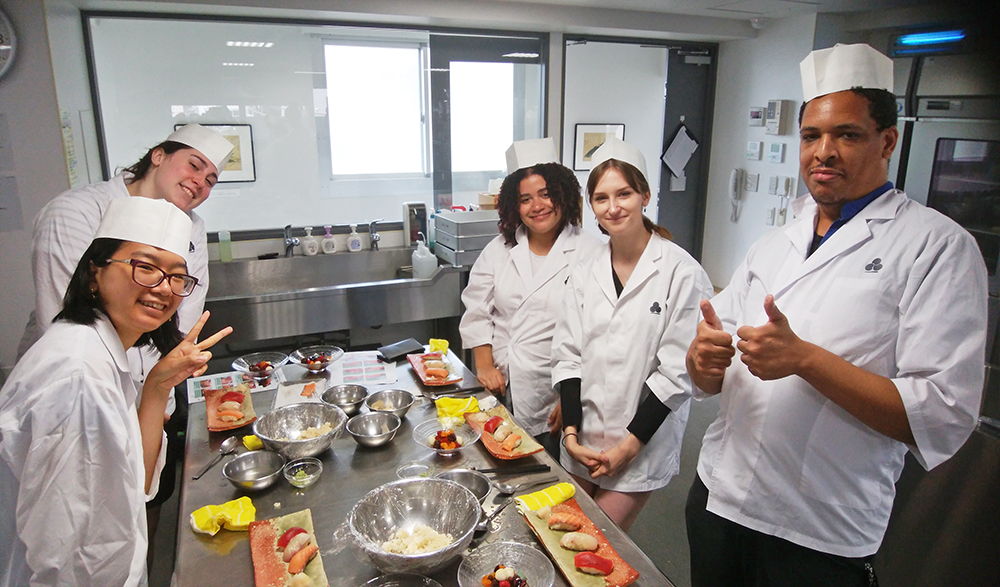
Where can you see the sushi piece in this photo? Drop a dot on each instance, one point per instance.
(438, 373)
(565, 521)
(297, 543)
(592, 564)
(302, 558)
(578, 541)
(513, 441)
(230, 415)
(226, 406)
(502, 432)
(543, 512)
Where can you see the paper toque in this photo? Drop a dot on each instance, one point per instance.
(843, 67)
(531, 152)
(615, 148)
(211, 144)
(151, 222)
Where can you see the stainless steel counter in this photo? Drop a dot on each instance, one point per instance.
(349, 472)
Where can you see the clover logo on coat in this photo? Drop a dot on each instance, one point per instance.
(874, 266)
(655, 308)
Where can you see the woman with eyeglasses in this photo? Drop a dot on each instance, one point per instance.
(81, 449)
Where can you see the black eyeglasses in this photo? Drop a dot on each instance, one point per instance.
(149, 275)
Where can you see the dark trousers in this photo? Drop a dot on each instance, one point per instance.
(724, 554)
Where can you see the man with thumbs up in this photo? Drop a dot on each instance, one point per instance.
(846, 339)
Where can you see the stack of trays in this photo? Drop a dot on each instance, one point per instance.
(461, 236)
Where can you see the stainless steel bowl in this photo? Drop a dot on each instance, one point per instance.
(395, 401)
(374, 428)
(474, 481)
(281, 428)
(347, 397)
(444, 505)
(254, 470)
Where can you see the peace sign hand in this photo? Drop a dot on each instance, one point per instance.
(188, 359)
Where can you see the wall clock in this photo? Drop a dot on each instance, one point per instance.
(8, 44)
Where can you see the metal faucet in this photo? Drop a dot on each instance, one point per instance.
(290, 241)
(372, 235)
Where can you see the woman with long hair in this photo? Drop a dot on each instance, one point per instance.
(81, 449)
(515, 290)
(618, 352)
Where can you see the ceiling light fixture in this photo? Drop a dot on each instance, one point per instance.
(251, 44)
(933, 38)
(235, 64)
(522, 55)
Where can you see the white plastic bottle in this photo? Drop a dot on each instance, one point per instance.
(354, 240)
(329, 243)
(309, 245)
(424, 261)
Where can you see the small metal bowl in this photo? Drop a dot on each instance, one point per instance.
(395, 401)
(254, 470)
(347, 397)
(303, 472)
(374, 428)
(474, 481)
(318, 357)
(402, 580)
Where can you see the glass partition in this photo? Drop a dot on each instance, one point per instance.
(341, 121)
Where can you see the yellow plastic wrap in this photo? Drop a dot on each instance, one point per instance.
(233, 515)
(549, 496)
(451, 410)
(439, 344)
(252, 442)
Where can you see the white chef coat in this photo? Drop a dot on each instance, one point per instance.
(900, 291)
(72, 504)
(514, 309)
(64, 230)
(616, 344)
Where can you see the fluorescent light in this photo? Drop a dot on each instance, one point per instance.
(251, 44)
(933, 38)
(234, 64)
(522, 55)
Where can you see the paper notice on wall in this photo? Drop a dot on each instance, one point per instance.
(679, 152)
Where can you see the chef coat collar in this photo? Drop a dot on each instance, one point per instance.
(109, 336)
(851, 209)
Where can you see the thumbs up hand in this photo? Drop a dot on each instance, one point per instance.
(770, 351)
(711, 351)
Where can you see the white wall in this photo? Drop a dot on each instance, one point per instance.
(616, 83)
(751, 72)
(30, 131)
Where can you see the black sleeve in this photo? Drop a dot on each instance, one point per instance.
(647, 419)
(572, 406)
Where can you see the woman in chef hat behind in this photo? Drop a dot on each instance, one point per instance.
(631, 310)
(515, 288)
(80, 450)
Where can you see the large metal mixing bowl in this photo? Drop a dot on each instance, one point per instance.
(280, 429)
(443, 505)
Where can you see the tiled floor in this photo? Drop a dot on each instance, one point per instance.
(659, 531)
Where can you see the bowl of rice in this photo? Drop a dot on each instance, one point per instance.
(417, 525)
(300, 430)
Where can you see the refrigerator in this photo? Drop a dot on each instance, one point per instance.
(945, 524)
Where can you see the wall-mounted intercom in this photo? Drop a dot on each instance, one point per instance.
(774, 119)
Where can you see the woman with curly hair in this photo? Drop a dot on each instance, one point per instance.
(515, 290)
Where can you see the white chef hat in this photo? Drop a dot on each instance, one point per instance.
(843, 67)
(151, 222)
(531, 152)
(615, 148)
(211, 144)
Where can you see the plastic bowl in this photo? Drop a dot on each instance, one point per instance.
(395, 401)
(402, 580)
(530, 563)
(260, 365)
(374, 428)
(303, 472)
(347, 397)
(254, 470)
(423, 434)
(279, 430)
(318, 357)
(474, 481)
(443, 505)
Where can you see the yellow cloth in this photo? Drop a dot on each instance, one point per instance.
(439, 344)
(450, 410)
(553, 495)
(234, 515)
(252, 442)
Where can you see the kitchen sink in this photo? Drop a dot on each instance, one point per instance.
(272, 298)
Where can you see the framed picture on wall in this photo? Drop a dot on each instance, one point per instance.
(241, 164)
(588, 138)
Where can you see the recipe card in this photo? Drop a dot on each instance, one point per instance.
(362, 368)
(196, 386)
